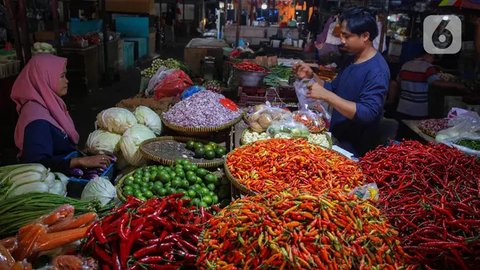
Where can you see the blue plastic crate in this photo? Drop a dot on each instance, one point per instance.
(128, 54)
(78, 27)
(142, 45)
(132, 26)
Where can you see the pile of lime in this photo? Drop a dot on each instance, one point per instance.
(208, 150)
(199, 185)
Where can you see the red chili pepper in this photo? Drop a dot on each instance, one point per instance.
(123, 229)
(101, 255)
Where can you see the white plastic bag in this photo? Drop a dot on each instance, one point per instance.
(464, 124)
(162, 72)
(313, 104)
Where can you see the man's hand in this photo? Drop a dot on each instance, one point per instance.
(317, 91)
(303, 71)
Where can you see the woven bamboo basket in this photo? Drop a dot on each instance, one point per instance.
(169, 160)
(193, 131)
(119, 186)
(242, 188)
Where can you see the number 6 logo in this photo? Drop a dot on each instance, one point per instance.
(442, 34)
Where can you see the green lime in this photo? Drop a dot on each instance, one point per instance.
(211, 178)
(185, 184)
(181, 190)
(220, 151)
(172, 190)
(180, 173)
(127, 187)
(210, 154)
(136, 186)
(190, 145)
(144, 189)
(197, 187)
(137, 180)
(211, 186)
(142, 198)
(153, 176)
(177, 182)
(209, 148)
(195, 201)
(191, 178)
(162, 192)
(203, 204)
(198, 145)
(173, 174)
(158, 184)
(213, 144)
(189, 167)
(164, 177)
(186, 162)
(201, 172)
(191, 193)
(178, 161)
(199, 181)
(145, 178)
(129, 180)
(145, 184)
(127, 192)
(148, 194)
(193, 167)
(190, 173)
(215, 199)
(207, 199)
(204, 191)
(137, 193)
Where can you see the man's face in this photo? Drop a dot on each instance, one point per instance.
(353, 43)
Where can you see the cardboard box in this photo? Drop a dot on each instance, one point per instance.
(198, 48)
(131, 6)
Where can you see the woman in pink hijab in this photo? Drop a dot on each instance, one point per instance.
(45, 132)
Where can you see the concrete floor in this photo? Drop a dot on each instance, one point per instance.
(85, 107)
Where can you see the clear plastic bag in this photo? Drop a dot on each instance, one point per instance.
(161, 73)
(314, 122)
(366, 192)
(303, 101)
(262, 116)
(288, 128)
(459, 143)
(464, 124)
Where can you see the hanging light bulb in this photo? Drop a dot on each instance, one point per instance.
(221, 5)
(264, 6)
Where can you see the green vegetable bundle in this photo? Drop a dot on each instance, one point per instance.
(18, 211)
(279, 75)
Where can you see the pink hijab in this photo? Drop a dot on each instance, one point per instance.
(34, 92)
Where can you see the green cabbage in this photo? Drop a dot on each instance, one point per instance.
(100, 189)
(130, 143)
(149, 118)
(116, 120)
(103, 141)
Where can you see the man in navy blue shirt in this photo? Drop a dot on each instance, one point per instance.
(358, 92)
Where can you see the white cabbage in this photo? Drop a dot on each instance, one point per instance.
(103, 141)
(116, 120)
(149, 118)
(100, 189)
(130, 143)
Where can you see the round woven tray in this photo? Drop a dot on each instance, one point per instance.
(243, 189)
(119, 186)
(192, 131)
(168, 158)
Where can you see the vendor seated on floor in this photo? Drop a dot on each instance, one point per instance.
(410, 89)
(45, 132)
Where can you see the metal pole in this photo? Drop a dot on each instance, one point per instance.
(56, 26)
(16, 34)
(22, 18)
(108, 73)
(239, 18)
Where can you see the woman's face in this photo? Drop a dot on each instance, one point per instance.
(62, 86)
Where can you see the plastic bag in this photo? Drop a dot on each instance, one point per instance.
(314, 104)
(161, 73)
(288, 128)
(311, 120)
(461, 142)
(366, 192)
(191, 90)
(262, 116)
(173, 84)
(464, 124)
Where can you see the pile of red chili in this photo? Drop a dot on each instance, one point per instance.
(431, 193)
(161, 233)
(300, 231)
(249, 66)
(280, 164)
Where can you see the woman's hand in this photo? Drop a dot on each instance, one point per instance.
(317, 91)
(97, 161)
(303, 71)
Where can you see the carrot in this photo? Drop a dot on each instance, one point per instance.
(27, 242)
(58, 214)
(72, 223)
(57, 239)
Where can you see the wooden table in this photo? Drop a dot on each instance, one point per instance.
(413, 125)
